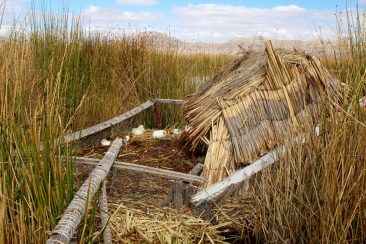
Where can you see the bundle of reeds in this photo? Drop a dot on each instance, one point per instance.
(219, 157)
(259, 97)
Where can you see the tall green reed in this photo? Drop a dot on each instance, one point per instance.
(316, 193)
(57, 76)
(34, 184)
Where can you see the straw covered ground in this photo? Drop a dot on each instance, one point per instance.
(135, 198)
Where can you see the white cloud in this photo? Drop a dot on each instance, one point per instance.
(216, 22)
(13, 12)
(112, 16)
(138, 2)
(290, 8)
(14, 7)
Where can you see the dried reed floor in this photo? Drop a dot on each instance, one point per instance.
(135, 198)
(127, 186)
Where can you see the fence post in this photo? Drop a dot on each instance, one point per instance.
(156, 115)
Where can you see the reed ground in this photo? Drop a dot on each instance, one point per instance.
(55, 77)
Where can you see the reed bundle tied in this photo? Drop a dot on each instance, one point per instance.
(259, 98)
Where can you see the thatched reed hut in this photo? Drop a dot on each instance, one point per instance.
(245, 110)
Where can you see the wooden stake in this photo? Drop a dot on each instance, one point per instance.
(104, 214)
(178, 189)
(187, 190)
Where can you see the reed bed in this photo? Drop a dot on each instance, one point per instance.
(55, 78)
(316, 193)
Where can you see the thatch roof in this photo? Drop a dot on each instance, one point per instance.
(257, 98)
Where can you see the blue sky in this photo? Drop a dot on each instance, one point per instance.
(205, 20)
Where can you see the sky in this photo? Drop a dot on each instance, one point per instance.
(203, 20)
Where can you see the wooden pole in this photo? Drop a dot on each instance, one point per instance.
(186, 189)
(169, 101)
(146, 169)
(236, 178)
(178, 191)
(66, 227)
(106, 124)
(104, 214)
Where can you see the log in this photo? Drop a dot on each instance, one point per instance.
(104, 214)
(169, 101)
(239, 176)
(106, 124)
(145, 169)
(66, 227)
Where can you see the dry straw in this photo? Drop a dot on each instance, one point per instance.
(256, 100)
(135, 224)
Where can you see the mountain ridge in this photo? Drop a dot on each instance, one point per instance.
(236, 46)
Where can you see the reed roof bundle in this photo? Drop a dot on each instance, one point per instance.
(257, 99)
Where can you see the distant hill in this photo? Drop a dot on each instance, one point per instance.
(235, 46)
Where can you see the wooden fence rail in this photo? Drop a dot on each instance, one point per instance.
(238, 177)
(146, 169)
(106, 124)
(116, 120)
(169, 101)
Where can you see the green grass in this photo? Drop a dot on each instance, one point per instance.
(34, 186)
(56, 77)
(317, 192)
